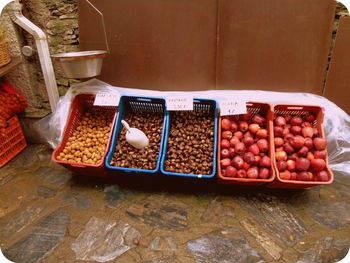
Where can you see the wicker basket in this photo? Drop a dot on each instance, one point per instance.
(4, 53)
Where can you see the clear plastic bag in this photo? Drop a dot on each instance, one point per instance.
(52, 126)
(336, 122)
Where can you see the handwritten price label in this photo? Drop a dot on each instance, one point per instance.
(179, 103)
(107, 99)
(231, 107)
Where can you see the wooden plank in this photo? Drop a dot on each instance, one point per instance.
(273, 44)
(7, 68)
(155, 44)
(338, 79)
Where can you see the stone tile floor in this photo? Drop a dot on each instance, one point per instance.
(49, 215)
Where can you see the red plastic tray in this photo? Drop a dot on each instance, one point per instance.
(12, 141)
(265, 110)
(80, 104)
(299, 110)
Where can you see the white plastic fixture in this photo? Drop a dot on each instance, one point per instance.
(42, 49)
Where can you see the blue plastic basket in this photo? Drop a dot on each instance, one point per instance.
(133, 103)
(198, 105)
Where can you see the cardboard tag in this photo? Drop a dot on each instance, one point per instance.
(179, 103)
(107, 99)
(232, 107)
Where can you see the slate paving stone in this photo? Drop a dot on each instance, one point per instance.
(44, 153)
(42, 170)
(340, 255)
(341, 178)
(305, 245)
(6, 176)
(344, 191)
(263, 238)
(329, 193)
(227, 245)
(216, 210)
(114, 195)
(11, 198)
(312, 255)
(335, 255)
(338, 250)
(58, 177)
(163, 244)
(7, 179)
(77, 199)
(161, 211)
(104, 241)
(44, 237)
(327, 242)
(290, 255)
(331, 213)
(272, 221)
(27, 157)
(327, 249)
(341, 243)
(164, 260)
(20, 221)
(45, 192)
(275, 216)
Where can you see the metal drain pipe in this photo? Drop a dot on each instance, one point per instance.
(42, 49)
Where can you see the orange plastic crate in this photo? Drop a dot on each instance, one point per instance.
(298, 110)
(12, 141)
(80, 104)
(265, 110)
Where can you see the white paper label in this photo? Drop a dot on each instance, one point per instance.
(107, 99)
(179, 103)
(232, 107)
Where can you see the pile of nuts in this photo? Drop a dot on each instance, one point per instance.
(87, 144)
(191, 143)
(125, 155)
(244, 147)
(300, 151)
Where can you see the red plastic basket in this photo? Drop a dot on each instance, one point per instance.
(80, 104)
(265, 110)
(299, 110)
(12, 141)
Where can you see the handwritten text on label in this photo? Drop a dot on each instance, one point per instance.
(107, 99)
(231, 107)
(179, 103)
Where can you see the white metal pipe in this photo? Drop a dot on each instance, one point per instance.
(42, 49)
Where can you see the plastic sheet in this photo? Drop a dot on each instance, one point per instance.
(103, 241)
(52, 126)
(336, 122)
